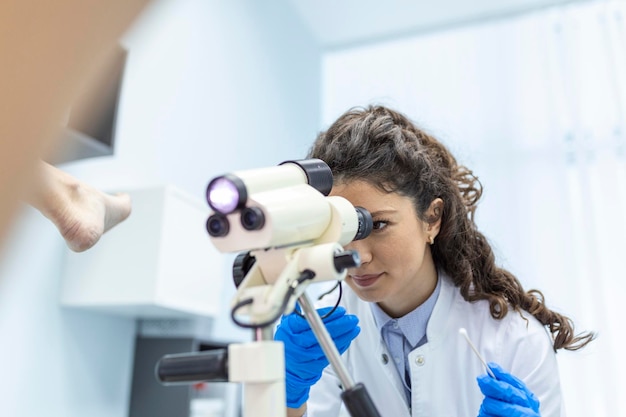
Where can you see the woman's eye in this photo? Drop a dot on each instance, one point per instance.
(379, 224)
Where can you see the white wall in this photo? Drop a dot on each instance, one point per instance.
(210, 87)
(340, 24)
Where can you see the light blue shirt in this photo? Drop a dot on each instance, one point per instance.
(404, 334)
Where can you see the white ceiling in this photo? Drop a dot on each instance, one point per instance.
(339, 23)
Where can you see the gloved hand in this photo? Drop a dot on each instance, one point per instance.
(506, 396)
(304, 357)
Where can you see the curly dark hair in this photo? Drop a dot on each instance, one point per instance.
(384, 148)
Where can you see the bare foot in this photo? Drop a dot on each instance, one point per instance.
(88, 215)
(81, 213)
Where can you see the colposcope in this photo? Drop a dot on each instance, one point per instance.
(289, 233)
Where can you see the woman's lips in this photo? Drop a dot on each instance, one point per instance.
(365, 280)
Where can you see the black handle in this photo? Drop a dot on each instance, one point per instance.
(358, 402)
(188, 368)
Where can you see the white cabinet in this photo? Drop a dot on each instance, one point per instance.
(158, 263)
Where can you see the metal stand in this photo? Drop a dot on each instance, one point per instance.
(354, 396)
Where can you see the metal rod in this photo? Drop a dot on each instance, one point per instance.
(264, 333)
(326, 341)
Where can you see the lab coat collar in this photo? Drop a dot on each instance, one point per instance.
(436, 328)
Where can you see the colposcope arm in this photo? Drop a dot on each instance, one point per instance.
(354, 396)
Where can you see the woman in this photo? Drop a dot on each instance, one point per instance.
(425, 273)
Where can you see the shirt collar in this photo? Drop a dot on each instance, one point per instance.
(412, 324)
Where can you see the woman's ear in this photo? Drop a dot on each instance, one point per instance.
(433, 217)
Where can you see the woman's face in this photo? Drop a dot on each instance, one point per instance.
(397, 269)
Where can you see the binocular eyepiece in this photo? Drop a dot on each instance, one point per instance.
(365, 223)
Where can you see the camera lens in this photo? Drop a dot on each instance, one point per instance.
(252, 218)
(217, 225)
(365, 223)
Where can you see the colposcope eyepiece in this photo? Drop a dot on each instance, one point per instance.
(252, 218)
(217, 225)
(365, 223)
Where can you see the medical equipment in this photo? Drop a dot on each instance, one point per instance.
(304, 356)
(463, 332)
(289, 233)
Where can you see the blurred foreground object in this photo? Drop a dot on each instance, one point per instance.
(49, 52)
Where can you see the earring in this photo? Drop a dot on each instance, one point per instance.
(432, 240)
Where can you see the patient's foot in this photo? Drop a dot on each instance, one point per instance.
(81, 213)
(88, 214)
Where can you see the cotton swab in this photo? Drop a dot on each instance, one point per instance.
(463, 332)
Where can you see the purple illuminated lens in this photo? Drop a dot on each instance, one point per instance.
(223, 195)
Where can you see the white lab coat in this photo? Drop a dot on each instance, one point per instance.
(444, 370)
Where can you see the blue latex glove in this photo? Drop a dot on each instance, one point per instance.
(506, 396)
(304, 357)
